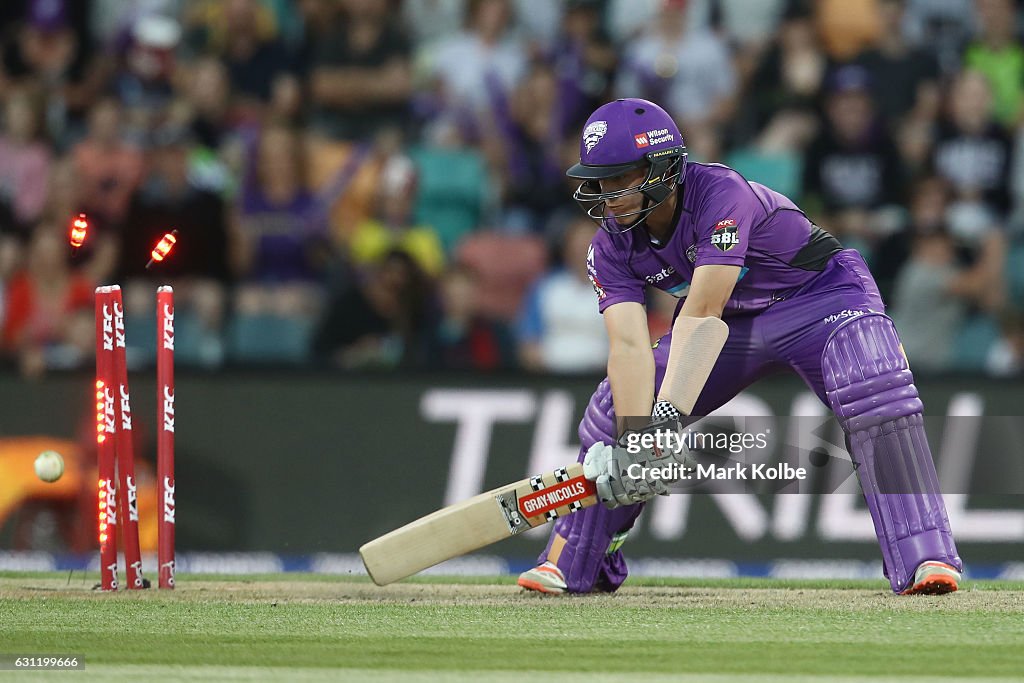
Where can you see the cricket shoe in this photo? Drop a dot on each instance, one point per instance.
(934, 578)
(547, 578)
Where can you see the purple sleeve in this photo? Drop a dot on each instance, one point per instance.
(724, 217)
(613, 282)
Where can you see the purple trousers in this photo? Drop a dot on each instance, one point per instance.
(832, 332)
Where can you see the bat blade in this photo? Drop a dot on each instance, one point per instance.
(475, 523)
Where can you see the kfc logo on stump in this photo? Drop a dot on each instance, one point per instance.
(725, 235)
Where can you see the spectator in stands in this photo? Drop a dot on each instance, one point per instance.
(209, 97)
(48, 308)
(787, 80)
(243, 34)
(392, 225)
(904, 78)
(24, 161)
(1006, 357)
(929, 201)
(847, 27)
(980, 251)
(559, 329)
(943, 27)
(280, 250)
(928, 268)
(929, 305)
(997, 53)
(537, 21)
(627, 19)
(145, 70)
(529, 149)
(220, 129)
(430, 21)
(476, 70)
(52, 49)
(852, 168)
(691, 72)
(973, 152)
(748, 26)
(317, 19)
(462, 338)
(108, 168)
(198, 267)
(361, 78)
(379, 322)
(97, 258)
(584, 62)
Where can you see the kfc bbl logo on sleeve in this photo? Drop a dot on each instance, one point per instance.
(725, 235)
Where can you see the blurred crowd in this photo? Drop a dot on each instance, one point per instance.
(380, 183)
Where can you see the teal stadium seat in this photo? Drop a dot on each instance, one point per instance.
(778, 170)
(268, 339)
(974, 342)
(193, 346)
(452, 187)
(1015, 274)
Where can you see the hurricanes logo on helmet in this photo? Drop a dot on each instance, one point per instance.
(593, 133)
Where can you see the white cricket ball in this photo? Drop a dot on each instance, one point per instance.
(49, 466)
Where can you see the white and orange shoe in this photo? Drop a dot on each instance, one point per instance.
(547, 578)
(934, 578)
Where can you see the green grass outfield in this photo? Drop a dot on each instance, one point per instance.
(303, 627)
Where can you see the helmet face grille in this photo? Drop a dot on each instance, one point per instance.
(665, 170)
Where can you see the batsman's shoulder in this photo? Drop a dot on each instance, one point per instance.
(714, 179)
(609, 250)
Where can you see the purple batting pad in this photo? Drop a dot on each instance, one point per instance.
(871, 390)
(584, 559)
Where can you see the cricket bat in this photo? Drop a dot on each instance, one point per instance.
(480, 521)
(512, 509)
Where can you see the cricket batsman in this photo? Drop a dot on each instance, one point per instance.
(793, 299)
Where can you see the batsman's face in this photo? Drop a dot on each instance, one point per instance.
(627, 203)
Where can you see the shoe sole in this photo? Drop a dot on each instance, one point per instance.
(538, 587)
(934, 584)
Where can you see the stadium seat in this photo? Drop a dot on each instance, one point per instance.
(507, 265)
(268, 339)
(452, 188)
(193, 346)
(974, 342)
(781, 172)
(1015, 274)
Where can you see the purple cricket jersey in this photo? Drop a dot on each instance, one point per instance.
(726, 220)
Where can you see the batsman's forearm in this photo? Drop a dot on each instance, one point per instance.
(631, 375)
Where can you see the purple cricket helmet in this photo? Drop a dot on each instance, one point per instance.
(622, 136)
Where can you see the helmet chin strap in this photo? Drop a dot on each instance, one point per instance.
(645, 210)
